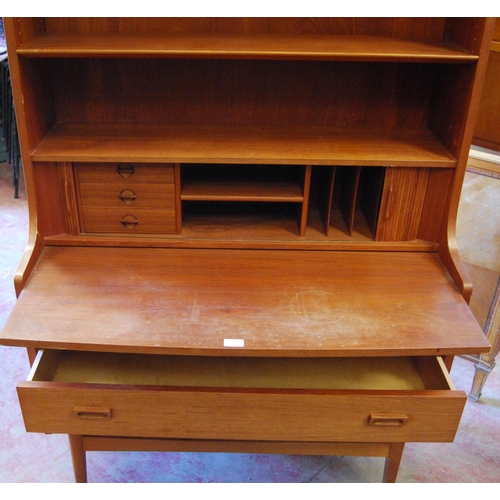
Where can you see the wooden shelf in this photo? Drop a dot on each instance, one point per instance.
(242, 183)
(252, 144)
(320, 47)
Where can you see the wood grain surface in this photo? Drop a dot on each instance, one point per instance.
(279, 303)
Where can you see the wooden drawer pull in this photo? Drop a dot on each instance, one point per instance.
(125, 170)
(387, 420)
(129, 221)
(92, 413)
(127, 196)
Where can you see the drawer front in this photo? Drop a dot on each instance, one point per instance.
(130, 172)
(203, 414)
(128, 220)
(123, 194)
(58, 398)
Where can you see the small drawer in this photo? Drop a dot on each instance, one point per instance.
(130, 172)
(128, 220)
(122, 194)
(238, 398)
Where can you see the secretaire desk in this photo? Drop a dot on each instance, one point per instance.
(242, 231)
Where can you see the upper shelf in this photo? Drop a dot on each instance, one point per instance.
(250, 144)
(319, 47)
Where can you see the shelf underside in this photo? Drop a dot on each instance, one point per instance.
(320, 47)
(257, 145)
(242, 191)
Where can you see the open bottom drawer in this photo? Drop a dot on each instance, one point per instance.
(241, 398)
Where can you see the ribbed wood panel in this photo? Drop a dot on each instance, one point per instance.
(402, 202)
(67, 186)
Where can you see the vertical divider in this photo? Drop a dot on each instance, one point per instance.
(178, 202)
(371, 185)
(325, 195)
(305, 202)
(349, 184)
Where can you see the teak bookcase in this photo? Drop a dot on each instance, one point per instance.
(242, 231)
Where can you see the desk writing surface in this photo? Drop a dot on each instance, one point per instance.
(242, 302)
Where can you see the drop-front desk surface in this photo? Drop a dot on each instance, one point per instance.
(249, 350)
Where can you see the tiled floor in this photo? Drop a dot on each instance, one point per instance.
(474, 457)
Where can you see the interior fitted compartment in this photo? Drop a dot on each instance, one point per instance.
(328, 202)
(246, 191)
(244, 198)
(252, 202)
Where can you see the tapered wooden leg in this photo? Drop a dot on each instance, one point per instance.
(392, 462)
(79, 458)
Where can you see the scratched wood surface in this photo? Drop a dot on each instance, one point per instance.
(274, 302)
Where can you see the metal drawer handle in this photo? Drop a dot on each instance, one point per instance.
(129, 221)
(92, 413)
(387, 420)
(127, 196)
(125, 170)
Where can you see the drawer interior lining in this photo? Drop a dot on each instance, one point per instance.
(385, 373)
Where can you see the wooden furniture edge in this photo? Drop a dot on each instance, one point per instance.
(35, 241)
(448, 248)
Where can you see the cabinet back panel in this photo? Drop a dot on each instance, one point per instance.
(421, 29)
(231, 92)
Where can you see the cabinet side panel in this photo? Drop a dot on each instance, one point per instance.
(467, 32)
(35, 115)
(468, 88)
(25, 29)
(449, 107)
(34, 99)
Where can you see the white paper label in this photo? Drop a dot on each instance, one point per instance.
(234, 343)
